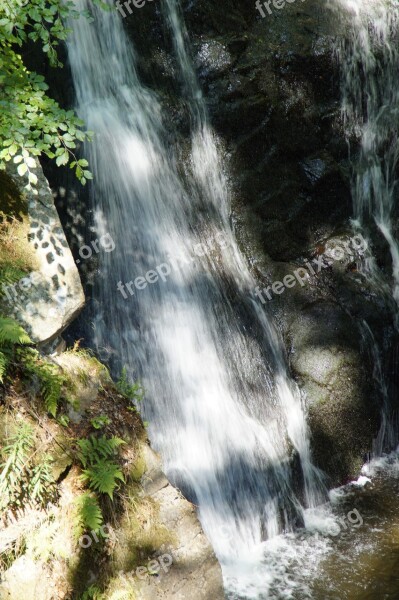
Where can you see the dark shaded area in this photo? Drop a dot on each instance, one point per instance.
(11, 201)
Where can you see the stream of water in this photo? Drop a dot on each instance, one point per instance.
(174, 304)
(368, 55)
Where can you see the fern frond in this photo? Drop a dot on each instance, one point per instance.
(93, 593)
(11, 332)
(51, 392)
(41, 484)
(88, 515)
(94, 449)
(49, 376)
(102, 477)
(4, 360)
(134, 392)
(15, 470)
(9, 274)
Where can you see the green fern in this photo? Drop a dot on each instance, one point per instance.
(102, 477)
(4, 362)
(88, 515)
(92, 593)
(12, 333)
(100, 472)
(94, 449)
(9, 274)
(132, 391)
(51, 388)
(15, 471)
(20, 479)
(50, 378)
(41, 484)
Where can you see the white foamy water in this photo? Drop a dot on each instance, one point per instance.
(369, 59)
(368, 55)
(222, 409)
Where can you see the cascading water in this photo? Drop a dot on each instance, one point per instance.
(222, 411)
(369, 60)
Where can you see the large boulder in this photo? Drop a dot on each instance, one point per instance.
(48, 299)
(341, 397)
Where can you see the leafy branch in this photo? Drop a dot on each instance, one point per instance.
(32, 123)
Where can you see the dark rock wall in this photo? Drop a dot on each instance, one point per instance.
(272, 86)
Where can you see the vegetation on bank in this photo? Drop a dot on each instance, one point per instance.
(31, 122)
(61, 423)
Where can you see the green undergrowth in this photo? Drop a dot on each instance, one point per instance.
(71, 454)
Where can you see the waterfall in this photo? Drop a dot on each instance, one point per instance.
(368, 54)
(175, 304)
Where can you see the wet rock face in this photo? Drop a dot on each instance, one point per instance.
(342, 404)
(273, 92)
(276, 105)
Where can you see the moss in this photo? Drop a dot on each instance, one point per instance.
(141, 533)
(138, 469)
(120, 588)
(15, 250)
(90, 366)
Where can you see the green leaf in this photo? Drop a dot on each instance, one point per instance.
(30, 162)
(22, 168)
(32, 178)
(62, 159)
(29, 118)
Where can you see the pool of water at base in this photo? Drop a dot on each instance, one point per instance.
(349, 549)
